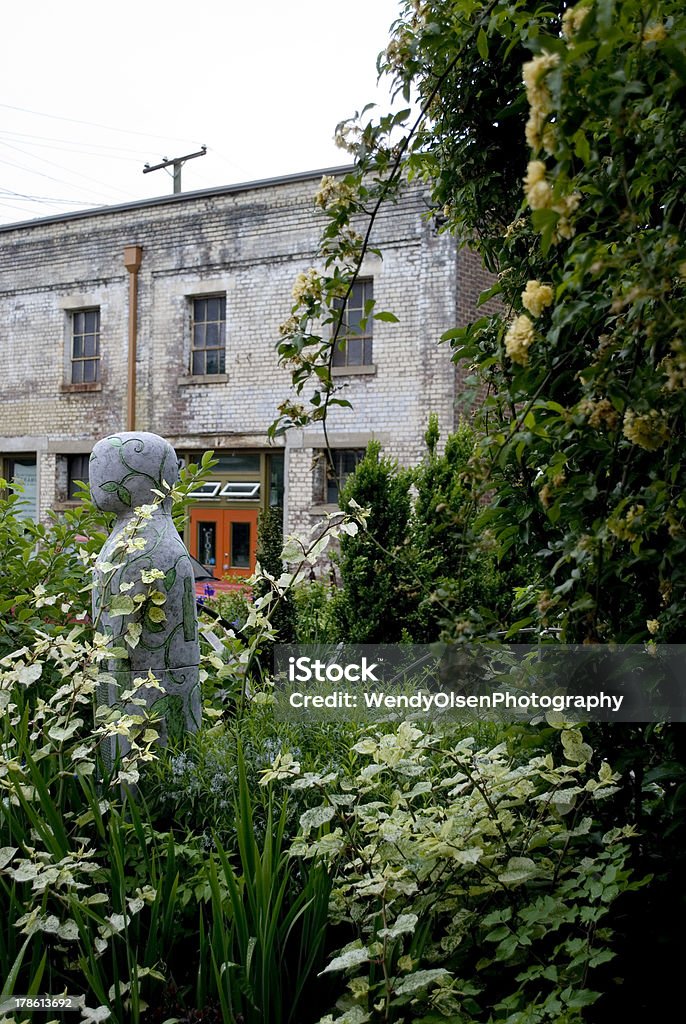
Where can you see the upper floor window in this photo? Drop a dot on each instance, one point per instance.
(354, 345)
(208, 336)
(85, 346)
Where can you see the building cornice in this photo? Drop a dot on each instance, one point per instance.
(181, 197)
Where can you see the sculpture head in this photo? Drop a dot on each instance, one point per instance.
(126, 469)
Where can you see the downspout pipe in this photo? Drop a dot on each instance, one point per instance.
(133, 254)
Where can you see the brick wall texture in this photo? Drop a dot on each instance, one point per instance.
(247, 243)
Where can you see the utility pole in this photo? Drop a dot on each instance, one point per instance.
(177, 163)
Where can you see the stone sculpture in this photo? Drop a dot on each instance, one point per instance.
(144, 594)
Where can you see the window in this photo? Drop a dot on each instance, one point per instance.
(275, 476)
(85, 346)
(22, 470)
(354, 346)
(328, 478)
(77, 469)
(208, 336)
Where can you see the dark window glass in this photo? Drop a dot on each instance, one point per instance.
(276, 470)
(354, 347)
(208, 336)
(330, 478)
(77, 470)
(237, 463)
(85, 346)
(354, 351)
(240, 545)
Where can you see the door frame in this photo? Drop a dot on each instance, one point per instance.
(224, 518)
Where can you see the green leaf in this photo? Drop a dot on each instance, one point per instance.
(122, 604)
(518, 870)
(482, 44)
(124, 495)
(405, 923)
(59, 734)
(676, 58)
(575, 749)
(351, 958)
(389, 318)
(29, 674)
(169, 579)
(316, 816)
(489, 293)
(421, 979)
(581, 146)
(6, 854)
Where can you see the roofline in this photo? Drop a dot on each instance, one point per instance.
(139, 204)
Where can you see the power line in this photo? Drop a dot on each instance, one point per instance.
(37, 199)
(11, 206)
(47, 142)
(50, 177)
(53, 163)
(91, 124)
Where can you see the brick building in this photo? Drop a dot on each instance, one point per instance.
(208, 276)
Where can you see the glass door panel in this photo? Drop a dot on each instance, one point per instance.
(240, 545)
(207, 544)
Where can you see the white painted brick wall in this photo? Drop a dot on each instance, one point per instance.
(249, 243)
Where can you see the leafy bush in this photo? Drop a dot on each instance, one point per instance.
(232, 605)
(44, 586)
(381, 588)
(194, 788)
(318, 612)
(465, 590)
(269, 548)
(473, 887)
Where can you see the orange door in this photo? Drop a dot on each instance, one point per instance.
(224, 540)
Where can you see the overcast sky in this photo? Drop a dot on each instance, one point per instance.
(90, 93)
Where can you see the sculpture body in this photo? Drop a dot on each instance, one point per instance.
(144, 595)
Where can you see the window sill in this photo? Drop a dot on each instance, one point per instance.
(323, 509)
(75, 389)
(65, 506)
(353, 371)
(205, 378)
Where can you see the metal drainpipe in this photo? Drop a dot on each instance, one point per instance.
(133, 255)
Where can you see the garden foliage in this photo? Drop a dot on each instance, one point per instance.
(111, 880)
(472, 887)
(550, 137)
(379, 584)
(421, 570)
(409, 873)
